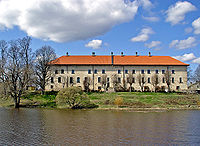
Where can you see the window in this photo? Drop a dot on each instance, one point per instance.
(143, 80)
(177, 87)
(126, 71)
(149, 71)
(119, 80)
(99, 79)
(56, 71)
(89, 71)
(157, 71)
(71, 80)
(108, 79)
(180, 79)
(51, 86)
(172, 80)
(173, 71)
(149, 80)
(73, 71)
(163, 71)
(142, 71)
(156, 80)
(133, 80)
(59, 79)
(52, 80)
(163, 80)
(119, 71)
(103, 71)
(133, 71)
(78, 80)
(95, 71)
(62, 71)
(99, 87)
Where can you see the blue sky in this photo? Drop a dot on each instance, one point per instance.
(163, 27)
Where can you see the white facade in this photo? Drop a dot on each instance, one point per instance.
(61, 75)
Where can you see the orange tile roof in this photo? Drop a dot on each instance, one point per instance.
(117, 60)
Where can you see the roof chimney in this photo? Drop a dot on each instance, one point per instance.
(93, 53)
(149, 54)
(122, 54)
(136, 54)
(67, 54)
(112, 58)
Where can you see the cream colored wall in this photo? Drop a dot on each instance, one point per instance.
(82, 72)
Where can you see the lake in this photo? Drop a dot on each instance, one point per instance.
(93, 127)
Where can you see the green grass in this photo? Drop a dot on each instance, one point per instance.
(106, 100)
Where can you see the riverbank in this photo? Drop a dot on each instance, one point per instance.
(107, 101)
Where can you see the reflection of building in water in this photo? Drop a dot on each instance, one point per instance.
(104, 72)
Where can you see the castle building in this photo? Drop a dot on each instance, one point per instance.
(95, 72)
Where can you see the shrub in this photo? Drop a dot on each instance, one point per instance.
(73, 97)
(118, 101)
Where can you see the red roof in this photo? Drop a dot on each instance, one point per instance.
(117, 60)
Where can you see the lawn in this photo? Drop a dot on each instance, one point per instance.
(107, 100)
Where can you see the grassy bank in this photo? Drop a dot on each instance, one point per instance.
(107, 100)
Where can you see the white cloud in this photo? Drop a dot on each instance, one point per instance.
(94, 44)
(176, 13)
(65, 20)
(146, 4)
(153, 44)
(186, 57)
(197, 60)
(143, 35)
(151, 19)
(196, 25)
(188, 30)
(183, 44)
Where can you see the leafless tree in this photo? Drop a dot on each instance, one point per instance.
(104, 81)
(168, 79)
(16, 69)
(141, 81)
(3, 49)
(197, 74)
(44, 57)
(130, 81)
(155, 81)
(115, 81)
(86, 84)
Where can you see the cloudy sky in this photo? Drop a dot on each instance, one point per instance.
(163, 27)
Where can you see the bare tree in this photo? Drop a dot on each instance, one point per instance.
(86, 84)
(141, 81)
(197, 74)
(155, 81)
(115, 81)
(189, 74)
(3, 49)
(104, 81)
(16, 69)
(168, 79)
(44, 58)
(130, 81)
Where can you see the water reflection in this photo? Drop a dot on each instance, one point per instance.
(57, 127)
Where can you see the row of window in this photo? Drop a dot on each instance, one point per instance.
(99, 79)
(119, 71)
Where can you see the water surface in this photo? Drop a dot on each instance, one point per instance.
(79, 127)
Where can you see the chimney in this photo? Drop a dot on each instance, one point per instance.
(112, 58)
(136, 54)
(149, 54)
(111, 53)
(93, 53)
(67, 54)
(122, 54)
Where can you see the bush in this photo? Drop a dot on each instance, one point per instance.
(118, 101)
(73, 97)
